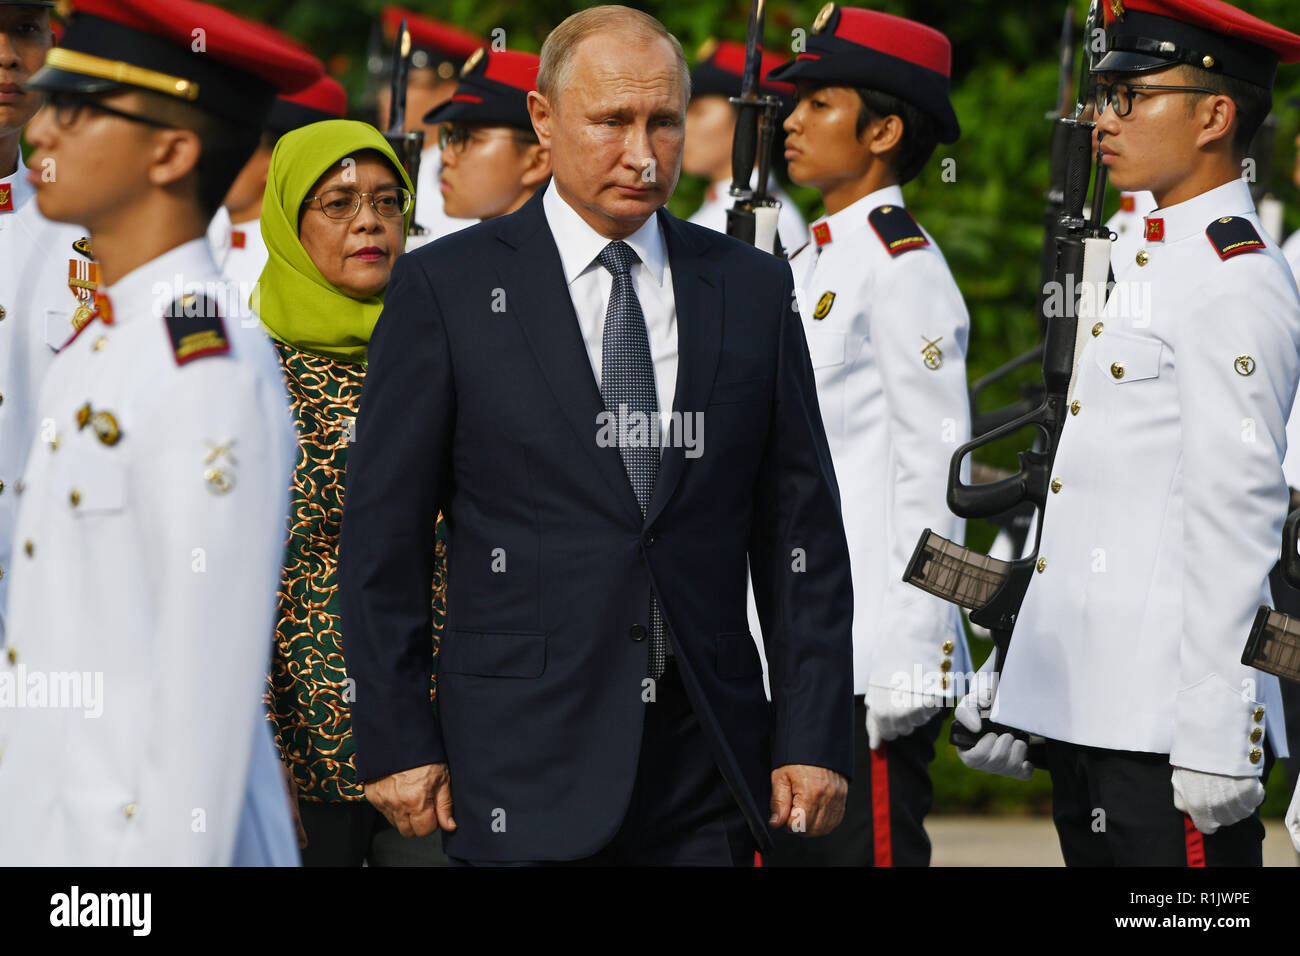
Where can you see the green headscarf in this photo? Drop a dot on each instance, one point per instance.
(296, 304)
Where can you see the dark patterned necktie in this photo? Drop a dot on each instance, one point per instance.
(627, 386)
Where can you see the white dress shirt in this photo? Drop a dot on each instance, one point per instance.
(590, 285)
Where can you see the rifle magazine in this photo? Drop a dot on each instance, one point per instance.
(955, 573)
(1274, 644)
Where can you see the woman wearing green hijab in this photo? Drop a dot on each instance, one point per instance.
(335, 217)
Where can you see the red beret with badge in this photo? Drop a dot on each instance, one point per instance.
(867, 49)
(720, 67)
(493, 90)
(435, 45)
(1146, 35)
(198, 53)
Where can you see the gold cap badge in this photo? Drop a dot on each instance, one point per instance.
(823, 17)
(472, 62)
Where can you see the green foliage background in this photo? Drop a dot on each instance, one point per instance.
(988, 219)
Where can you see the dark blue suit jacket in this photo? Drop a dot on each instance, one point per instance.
(479, 401)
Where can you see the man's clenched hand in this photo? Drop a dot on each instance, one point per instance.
(809, 799)
(416, 801)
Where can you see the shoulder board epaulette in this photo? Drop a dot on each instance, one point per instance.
(1232, 235)
(82, 246)
(897, 229)
(196, 328)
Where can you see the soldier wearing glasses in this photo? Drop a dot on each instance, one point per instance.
(1168, 489)
(150, 528)
(491, 160)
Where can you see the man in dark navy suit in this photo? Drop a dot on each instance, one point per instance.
(613, 409)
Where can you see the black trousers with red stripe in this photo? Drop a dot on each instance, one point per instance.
(884, 815)
(1116, 808)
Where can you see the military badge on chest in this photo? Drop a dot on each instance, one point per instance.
(824, 305)
(104, 424)
(219, 470)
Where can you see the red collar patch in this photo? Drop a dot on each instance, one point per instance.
(103, 308)
(237, 239)
(1127, 203)
(822, 233)
(1155, 230)
(6, 198)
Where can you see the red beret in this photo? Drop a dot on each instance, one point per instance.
(1144, 35)
(437, 46)
(323, 100)
(720, 67)
(493, 90)
(193, 51)
(879, 51)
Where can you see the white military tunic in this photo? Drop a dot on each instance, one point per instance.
(1156, 550)
(238, 250)
(1291, 465)
(790, 225)
(887, 336)
(36, 309)
(152, 560)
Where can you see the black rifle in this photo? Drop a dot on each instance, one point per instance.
(1274, 642)
(993, 590)
(1064, 107)
(407, 145)
(755, 129)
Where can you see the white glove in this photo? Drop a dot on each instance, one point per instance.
(895, 713)
(1213, 800)
(1293, 819)
(1003, 754)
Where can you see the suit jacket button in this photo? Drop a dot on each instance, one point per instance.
(637, 633)
(1255, 735)
(948, 647)
(1259, 714)
(651, 538)
(1256, 755)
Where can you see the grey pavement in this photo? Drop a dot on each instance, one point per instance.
(1031, 841)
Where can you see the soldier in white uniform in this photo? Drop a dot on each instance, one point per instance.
(46, 270)
(887, 330)
(150, 527)
(235, 233)
(711, 128)
(1168, 489)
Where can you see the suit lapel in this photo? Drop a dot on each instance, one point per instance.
(539, 299)
(697, 292)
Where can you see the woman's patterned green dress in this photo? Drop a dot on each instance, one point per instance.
(310, 692)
